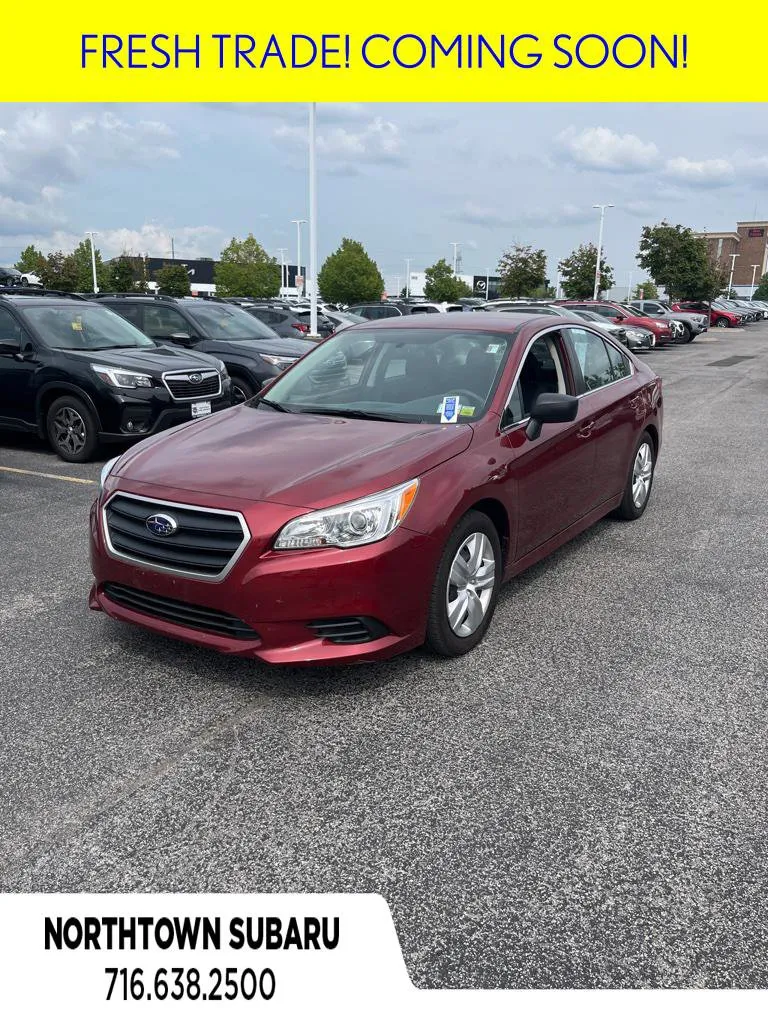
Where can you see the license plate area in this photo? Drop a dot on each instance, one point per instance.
(200, 409)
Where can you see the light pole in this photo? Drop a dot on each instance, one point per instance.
(455, 256)
(629, 288)
(283, 274)
(602, 207)
(487, 282)
(93, 260)
(734, 257)
(408, 276)
(313, 220)
(755, 268)
(298, 224)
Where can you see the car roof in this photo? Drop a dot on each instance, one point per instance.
(500, 322)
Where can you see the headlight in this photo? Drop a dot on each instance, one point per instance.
(661, 324)
(119, 378)
(352, 524)
(279, 361)
(223, 370)
(106, 470)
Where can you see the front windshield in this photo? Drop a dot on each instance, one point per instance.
(626, 309)
(220, 320)
(400, 374)
(84, 326)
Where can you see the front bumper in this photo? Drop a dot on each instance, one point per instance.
(278, 594)
(142, 412)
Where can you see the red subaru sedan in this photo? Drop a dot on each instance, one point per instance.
(376, 496)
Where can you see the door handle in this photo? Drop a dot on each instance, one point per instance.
(586, 430)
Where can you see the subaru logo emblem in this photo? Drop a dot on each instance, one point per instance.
(161, 525)
(195, 378)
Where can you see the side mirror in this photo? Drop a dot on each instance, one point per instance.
(10, 347)
(182, 338)
(551, 408)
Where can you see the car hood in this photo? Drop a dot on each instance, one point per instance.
(272, 346)
(305, 460)
(146, 360)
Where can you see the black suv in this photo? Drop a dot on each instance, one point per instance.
(79, 375)
(252, 352)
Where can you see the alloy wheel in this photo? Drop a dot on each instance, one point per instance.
(470, 584)
(642, 471)
(238, 395)
(70, 433)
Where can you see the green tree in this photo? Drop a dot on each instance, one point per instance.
(349, 275)
(172, 279)
(245, 268)
(522, 269)
(545, 291)
(124, 273)
(31, 261)
(84, 268)
(679, 261)
(646, 290)
(60, 272)
(761, 292)
(442, 286)
(577, 273)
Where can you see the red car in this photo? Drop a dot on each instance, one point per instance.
(719, 316)
(624, 315)
(375, 496)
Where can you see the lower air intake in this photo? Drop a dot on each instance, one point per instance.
(358, 630)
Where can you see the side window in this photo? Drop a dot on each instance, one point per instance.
(608, 311)
(131, 311)
(162, 321)
(10, 329)
(619, 363)
(593, 359)
(542, 372)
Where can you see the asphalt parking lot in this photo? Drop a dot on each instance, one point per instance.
(580, 802)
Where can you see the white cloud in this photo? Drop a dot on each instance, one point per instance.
(531, 217)
(188, 241)
(343, 149)
(700, 173)
(601, 149)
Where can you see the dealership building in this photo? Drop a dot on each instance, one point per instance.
(746, 248)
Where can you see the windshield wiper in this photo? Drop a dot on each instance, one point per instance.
(359, 414)
(272, 405)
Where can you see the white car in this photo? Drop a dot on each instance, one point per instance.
(28, 278)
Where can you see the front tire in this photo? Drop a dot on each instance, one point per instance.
(241, 390)
(466, 587)
(639, 480)
(722, 322)
(71, 429)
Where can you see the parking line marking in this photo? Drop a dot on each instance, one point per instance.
(48, 476)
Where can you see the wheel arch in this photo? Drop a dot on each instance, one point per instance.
(60, 389)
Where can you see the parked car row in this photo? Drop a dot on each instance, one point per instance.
(85, 371)
(727, 312)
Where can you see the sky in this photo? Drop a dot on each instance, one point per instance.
(404, 179)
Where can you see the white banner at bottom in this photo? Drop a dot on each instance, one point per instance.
(200, 957)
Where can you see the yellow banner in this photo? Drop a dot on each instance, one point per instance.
(198, 51)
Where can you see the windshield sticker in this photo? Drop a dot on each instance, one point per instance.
(467, 410)
(77, 324)
(492, 349)
(450, 411)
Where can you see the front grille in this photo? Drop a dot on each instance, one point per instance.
(206, 542)
(194, 616)
(182, 386)
(357, 630)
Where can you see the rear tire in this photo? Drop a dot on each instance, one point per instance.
(466, 587)
(72, 430)
(241, 390)
(637, 491)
